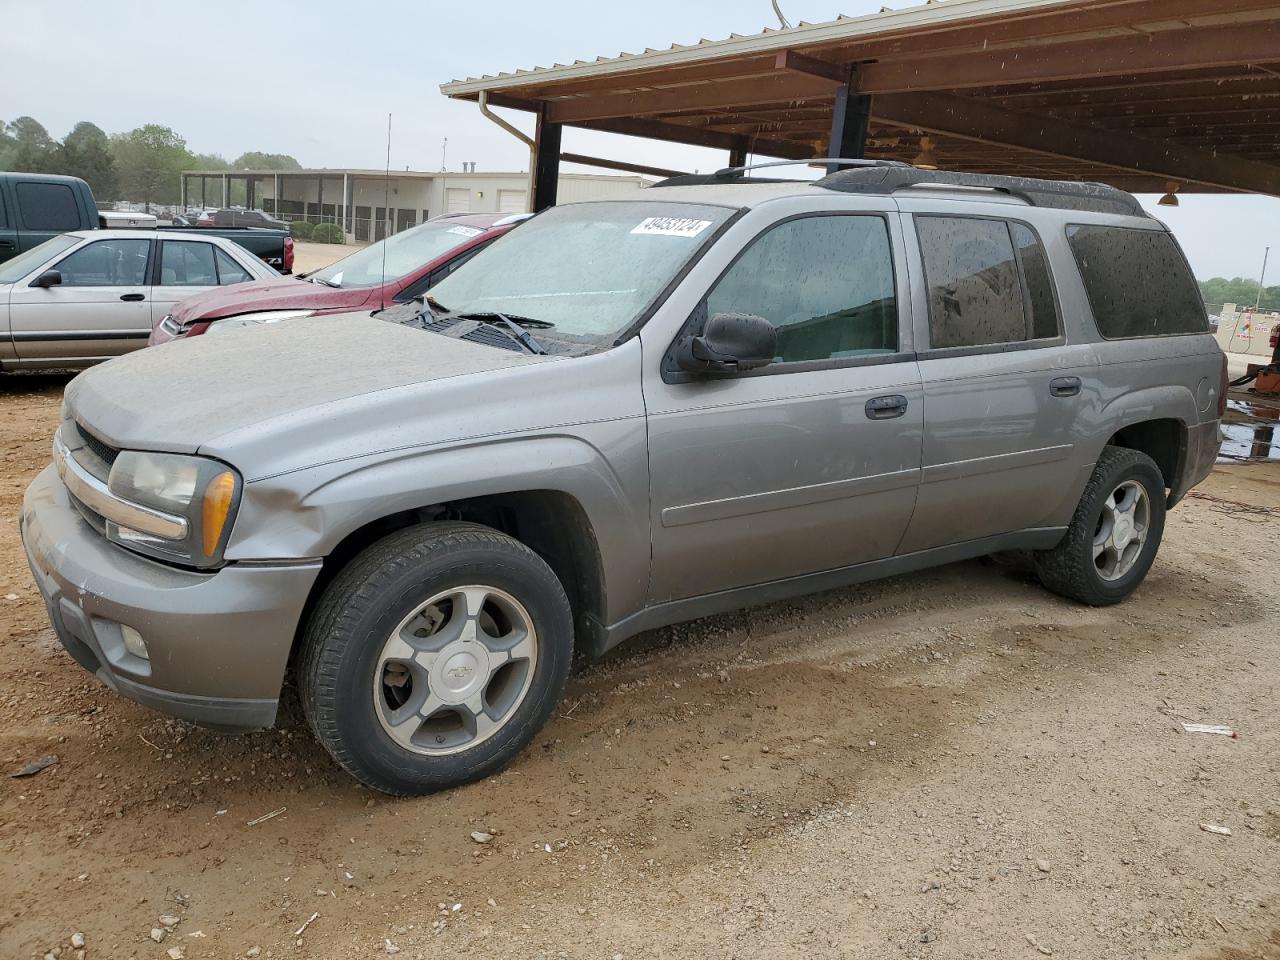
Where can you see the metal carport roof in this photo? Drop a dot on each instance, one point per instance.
(1135, 93)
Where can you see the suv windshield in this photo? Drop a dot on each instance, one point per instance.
(588, 269)
(405, 252)
(11, 271)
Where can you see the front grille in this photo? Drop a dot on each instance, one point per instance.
(100, 449)
(91, 516)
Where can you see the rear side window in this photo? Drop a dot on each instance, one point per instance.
(48, 206)
(825, 283)
(230, 272)
(988, 283)
(1137, 281)
(187, 263)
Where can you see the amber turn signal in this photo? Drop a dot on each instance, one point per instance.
(215, 509)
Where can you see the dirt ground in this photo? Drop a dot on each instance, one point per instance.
(312, 256)
(948, 764)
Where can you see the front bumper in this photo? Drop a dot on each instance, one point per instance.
(218, 642)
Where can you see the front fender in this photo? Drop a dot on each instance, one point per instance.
(602, 466)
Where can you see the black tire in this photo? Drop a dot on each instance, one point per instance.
(373, 594)
(1069, 568)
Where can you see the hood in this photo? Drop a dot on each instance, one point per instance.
(182, 396)
(278, 293)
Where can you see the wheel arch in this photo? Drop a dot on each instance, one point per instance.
(557, 495)
(1156, 421)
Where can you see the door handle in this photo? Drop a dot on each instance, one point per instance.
(133, 297)
(1064, 386)
(886, 408)
(6, 244)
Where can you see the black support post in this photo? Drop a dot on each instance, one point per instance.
(738, 157)
(850, 116)
(546, 163)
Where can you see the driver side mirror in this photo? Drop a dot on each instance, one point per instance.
(729, 343)
(50, 278)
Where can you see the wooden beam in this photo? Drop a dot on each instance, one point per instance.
(976, 120)
(657, 130)
(1161, 52)
(779, 88)
(794, 62)
(620, 165)
(546, 164)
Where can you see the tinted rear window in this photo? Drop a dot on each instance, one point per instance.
(48, 206)
(1137, 281)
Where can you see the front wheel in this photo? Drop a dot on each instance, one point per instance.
(435, 656)
(1114, 535)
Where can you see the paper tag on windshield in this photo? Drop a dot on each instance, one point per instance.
(671, 227)
(465, 231)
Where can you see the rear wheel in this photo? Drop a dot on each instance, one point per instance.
(1114, 535)
(435, 656)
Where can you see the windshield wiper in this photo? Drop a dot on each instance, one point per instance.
(515, 326)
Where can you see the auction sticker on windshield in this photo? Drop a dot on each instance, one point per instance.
(465, 231)
(671, 226)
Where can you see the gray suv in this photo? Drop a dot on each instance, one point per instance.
(622, 415)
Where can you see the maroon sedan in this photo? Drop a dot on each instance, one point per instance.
(394, 270)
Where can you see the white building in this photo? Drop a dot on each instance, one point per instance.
(359, 200)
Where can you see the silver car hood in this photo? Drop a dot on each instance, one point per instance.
(181, 396)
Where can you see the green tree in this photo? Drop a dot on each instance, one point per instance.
(210, 161)
(150, 161)
(86, 153)
(1241, 291)
(254, 160)
(30, 148)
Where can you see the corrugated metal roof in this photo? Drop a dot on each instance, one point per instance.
(932, 13)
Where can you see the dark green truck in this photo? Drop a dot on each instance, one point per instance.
(35, 207)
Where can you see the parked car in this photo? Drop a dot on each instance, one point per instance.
(625, 414)
(239, 217)
(86, 296)
(35, 207)
(415, 260)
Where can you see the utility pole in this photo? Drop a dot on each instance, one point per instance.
(444, 154)
(1261, 278)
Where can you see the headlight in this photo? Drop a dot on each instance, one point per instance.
(198, 498)
(255, 320)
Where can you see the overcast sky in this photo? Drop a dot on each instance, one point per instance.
(317, 80)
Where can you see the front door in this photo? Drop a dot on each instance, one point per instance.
(1002, 387)
(812, 462)
(99, 310)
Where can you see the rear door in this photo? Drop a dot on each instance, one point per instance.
(44, 210)
(189, 267)
(186, 268)
(808, 464)
(1002, 387)
(99, 310)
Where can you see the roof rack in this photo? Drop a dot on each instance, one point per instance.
(889, 176)
(739, 174)
(1061, 194)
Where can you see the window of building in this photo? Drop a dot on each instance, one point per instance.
(825, 283)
